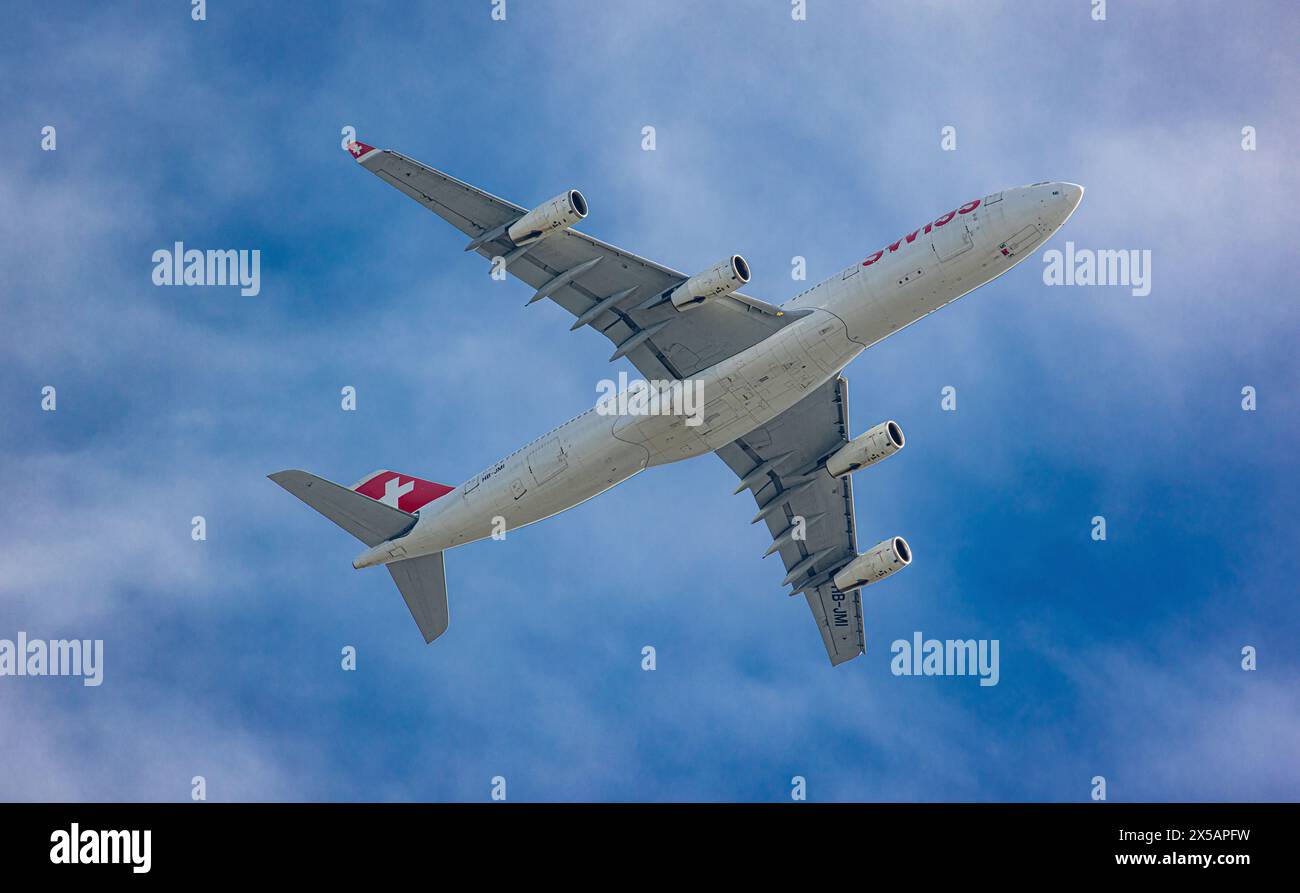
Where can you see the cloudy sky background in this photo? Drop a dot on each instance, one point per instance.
(775, 138)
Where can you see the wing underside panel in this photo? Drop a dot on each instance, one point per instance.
(810, 514)
(839, 620)
(686, 343)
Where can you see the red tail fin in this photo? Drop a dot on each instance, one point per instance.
(401, 491)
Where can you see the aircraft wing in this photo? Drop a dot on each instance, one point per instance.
(773, 462)
(662, 342)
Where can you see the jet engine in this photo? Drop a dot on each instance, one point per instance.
(722, 279)
(880, 442)
(892, 555)
(560, 212)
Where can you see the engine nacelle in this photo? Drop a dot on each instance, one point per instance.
(880, 442)
(722, 279)
(560, 212)
(892, 555)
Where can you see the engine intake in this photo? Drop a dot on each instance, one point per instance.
(722, 279)
(886, 558)
(880, 442)
(559, 213)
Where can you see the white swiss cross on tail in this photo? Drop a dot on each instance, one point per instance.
(393, 491)
(359, 149)
(401, 491)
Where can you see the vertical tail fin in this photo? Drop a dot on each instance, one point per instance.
(376, 509)
(401, 491)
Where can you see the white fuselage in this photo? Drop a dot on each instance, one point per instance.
(894, 287)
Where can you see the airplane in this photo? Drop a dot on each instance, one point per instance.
(775, 402)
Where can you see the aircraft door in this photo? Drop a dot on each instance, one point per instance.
(548, 460)
(952, 241)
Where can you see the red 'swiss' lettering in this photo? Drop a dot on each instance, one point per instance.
(927, 229)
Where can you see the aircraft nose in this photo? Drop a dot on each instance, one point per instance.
(1072, 193)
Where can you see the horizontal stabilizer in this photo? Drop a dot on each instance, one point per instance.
(423, 583)
(369, 520)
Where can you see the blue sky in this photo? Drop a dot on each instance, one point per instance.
(775, 138)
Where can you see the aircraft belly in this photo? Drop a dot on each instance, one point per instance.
(757, 385)
(541, 480)
(905, 288)
(669, 438)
